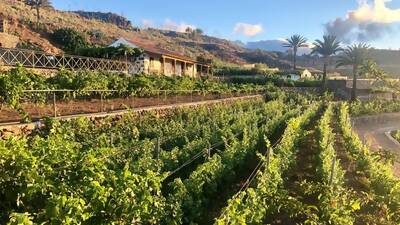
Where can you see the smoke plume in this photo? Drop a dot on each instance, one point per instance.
(371, 21)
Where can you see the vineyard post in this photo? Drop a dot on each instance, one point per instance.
(332, 171)
(158, 147)
(158, 97)
(191, 96)
(176, 98)
(133, 100)
(101, 102)
(165, 96)
(54, 104)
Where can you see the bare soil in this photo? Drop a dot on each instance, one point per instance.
(96, 105)
(304, 171)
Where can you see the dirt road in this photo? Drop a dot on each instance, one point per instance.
(375, 130)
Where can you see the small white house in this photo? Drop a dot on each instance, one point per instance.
(306, 74)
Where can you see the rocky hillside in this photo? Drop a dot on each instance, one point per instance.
(112, 18)
(22, 19)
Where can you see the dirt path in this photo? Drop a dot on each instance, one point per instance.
(303, 173)
(354, 179)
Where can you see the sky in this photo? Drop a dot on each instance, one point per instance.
(376, 22)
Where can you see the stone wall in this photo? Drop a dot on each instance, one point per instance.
(149, 63)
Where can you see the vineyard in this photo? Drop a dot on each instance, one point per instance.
(396, 135)
(28, 96)
(287, 159)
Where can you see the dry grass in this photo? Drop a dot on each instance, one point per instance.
(22, 16)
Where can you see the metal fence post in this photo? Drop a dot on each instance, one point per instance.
(54, 104)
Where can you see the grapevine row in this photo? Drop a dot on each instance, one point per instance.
(252, 205)
(384, 185)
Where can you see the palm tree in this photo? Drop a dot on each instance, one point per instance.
(295, 42)
(37, 4)
(354, 56)
(326, 48)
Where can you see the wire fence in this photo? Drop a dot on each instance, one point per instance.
(38, 104)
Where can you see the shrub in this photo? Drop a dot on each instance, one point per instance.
(109, 52)
(69, 40)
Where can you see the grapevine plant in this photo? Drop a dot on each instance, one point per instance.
(110, 170)
(252, 206)
(337, 203)
(384, 185)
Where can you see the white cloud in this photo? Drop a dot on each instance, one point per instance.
(174, 26)
(168, 24)
(377, 12)
(146, 23)
(370, 21)
(246, 29)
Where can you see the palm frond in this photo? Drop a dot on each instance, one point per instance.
(354, 55)
(295, 41)
(327, 47)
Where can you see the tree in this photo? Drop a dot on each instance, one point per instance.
(189, 30)
(37, 4)
(194, 33)
(370, 69)
(354, 56)
(199, 31)
(295, 42)
(69, 40)
(326, 48)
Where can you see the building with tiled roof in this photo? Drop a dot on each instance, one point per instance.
(158, 61)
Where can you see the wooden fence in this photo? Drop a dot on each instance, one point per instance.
(42, 60)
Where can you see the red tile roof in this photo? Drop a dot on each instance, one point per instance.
(156, 50)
